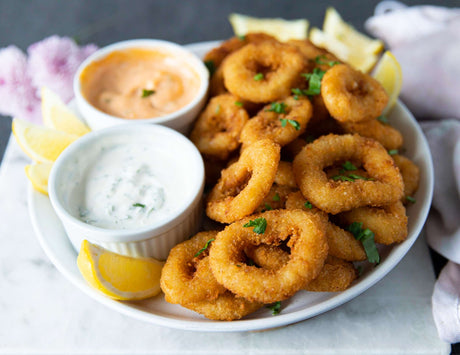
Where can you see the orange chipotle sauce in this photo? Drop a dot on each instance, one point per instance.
(139, 83)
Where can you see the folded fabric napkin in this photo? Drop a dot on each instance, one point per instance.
(426, 42)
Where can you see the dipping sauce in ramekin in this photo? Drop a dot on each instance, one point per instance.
(146, 80)
(139, 83)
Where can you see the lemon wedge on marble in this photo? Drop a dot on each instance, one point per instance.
(38, 174)
(117, 276)
(388, 72)
(57, 115)
(281, 29)
(40, 143)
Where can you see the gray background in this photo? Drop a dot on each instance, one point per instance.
(23, 22)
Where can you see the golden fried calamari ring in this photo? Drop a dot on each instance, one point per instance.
(262, 72)
(386, 135)
(389, 223)
(410, 175)
(284, 175)
(336, 274)
(306, 238)
(216, 84)
(217, 131)
(282, 128)
(225, 307)
(186, 278)
(332, 196)
(218, 54)
(244, 184)
(351, 95)
(342, 244)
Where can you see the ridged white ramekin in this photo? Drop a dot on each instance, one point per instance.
(154, 240)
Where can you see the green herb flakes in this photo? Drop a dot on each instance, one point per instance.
(211, 66)
(293, 123)
(238, 103)
(276, 197)
(147, 93)
(275, 308)
(277, 107)
(258, 77)
(393, 151)
(138, 205)
(308, 205)
(259, 224)
(383, 119)
(410, 199)
(366, 237)
(206, 246)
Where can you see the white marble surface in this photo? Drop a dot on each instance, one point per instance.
(42, 313)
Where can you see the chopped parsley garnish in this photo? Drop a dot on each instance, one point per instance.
(293, 123)
(275, 308)
(348, 165)
(276, 197)
(241, 37)
(277, 107)
(138, 205)
(206, 246)
(211, 66)
(258, 77)
(350, 177)
(268, 207)
(217, 109)
(308, 205)
(331, 63)
(383, 119)
(238, 103)
(360, 270)
(366, 237)
(410, 199)
(259, 224)
(314, 82)
(147, 93)
(393, 151)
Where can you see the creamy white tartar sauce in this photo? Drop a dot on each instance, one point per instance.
(126, 187)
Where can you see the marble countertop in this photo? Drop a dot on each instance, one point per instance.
(42, 312)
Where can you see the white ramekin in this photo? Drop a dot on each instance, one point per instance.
(180, 120)
(149, 241)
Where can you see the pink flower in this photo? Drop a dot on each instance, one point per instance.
(54, 61)
(17, 95)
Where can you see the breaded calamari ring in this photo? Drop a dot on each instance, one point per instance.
(410, 175)
(305, 236)
(284, 175)
(332, 196)
(262, 72)
(351, 95)
(386, 135)
(336, 274)
(217, 130)
(186, 278)
(342, 244)
(218, 54)
(225, 307)
(283, 127)
(244, 184)
(319, 56)
(389, 223)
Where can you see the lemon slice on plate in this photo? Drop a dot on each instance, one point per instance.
(58, 116)
(281, 29)
(349, 45)
(335, 26)
(38, 174)
(388, 72)
(117, 276)
(41, 144)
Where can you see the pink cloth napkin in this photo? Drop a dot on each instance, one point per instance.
(426, 42)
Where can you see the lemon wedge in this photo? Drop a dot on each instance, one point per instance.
(41, 144)
(38, 174)
(58, 116)
(117, 276)
(335, 26)
(281, 29)
(388, 72)
(349, 45)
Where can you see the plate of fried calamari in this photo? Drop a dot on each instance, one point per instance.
(312, 197)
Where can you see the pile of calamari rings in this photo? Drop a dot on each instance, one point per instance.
(304, 179)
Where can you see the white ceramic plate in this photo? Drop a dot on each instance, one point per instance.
(300, 307)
